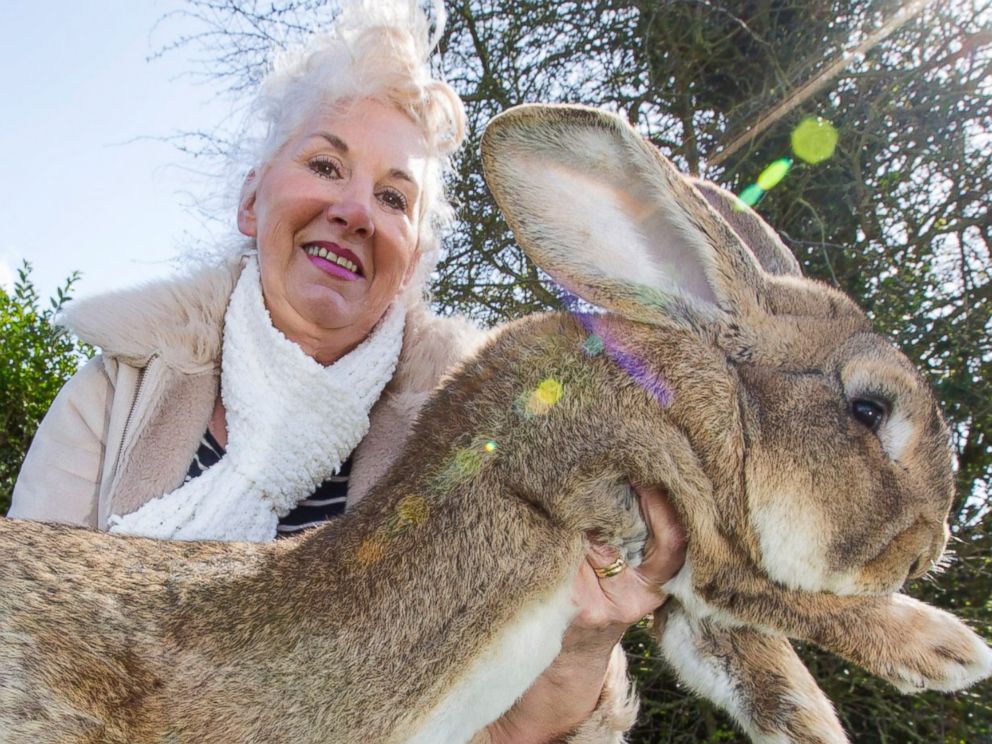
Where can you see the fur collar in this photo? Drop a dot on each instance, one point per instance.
(180, 319)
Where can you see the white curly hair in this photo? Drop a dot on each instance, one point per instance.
(378, 49)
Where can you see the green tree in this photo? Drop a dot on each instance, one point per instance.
(36, 359)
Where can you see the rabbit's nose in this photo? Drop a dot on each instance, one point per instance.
(920, 566)
(928, 559)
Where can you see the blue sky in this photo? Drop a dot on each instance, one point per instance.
(85, 181)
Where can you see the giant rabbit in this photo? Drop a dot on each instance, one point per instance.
(805, 456)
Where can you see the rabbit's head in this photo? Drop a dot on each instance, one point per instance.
(845, 469)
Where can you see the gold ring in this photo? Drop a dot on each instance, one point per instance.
(612, 570)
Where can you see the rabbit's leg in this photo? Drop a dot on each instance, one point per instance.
(757, 678)
(900, 639)
(910, 644)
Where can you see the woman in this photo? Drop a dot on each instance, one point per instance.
(305, 357)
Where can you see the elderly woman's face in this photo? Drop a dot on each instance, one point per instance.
(335, 215)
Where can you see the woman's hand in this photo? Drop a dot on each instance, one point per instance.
(568, 691)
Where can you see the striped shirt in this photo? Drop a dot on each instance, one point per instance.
(325, 503)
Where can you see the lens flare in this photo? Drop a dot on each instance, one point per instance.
(814, 140)
(752, 194)
(772, 175)
(412, 511)
(550, 391)
(371, 550)
(599, 340)
(542, 399)
(593, 346)
(769, 178)
(466, 462)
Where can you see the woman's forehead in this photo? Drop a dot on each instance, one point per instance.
(370, 130)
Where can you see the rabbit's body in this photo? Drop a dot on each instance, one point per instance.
(423, 614)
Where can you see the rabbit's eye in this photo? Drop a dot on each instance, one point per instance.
(869, 413)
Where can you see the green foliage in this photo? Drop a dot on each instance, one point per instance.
(36, 359)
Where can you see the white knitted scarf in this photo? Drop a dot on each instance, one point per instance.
(291, 422)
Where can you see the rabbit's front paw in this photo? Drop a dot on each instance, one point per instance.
(635, 534)
(621, 524)
(918, 647)
(942, 653)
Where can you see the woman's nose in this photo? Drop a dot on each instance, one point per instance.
(352, 214)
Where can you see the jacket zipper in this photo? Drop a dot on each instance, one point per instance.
(130, 415)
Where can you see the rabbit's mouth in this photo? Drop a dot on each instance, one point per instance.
(909, 555)
(921, 566)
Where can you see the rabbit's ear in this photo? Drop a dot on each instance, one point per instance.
(773, 255)
(600, 210)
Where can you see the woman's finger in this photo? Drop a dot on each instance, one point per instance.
(605, 560)
(614, 592)
(665, 550)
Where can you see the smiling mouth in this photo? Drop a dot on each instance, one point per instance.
(332, 258)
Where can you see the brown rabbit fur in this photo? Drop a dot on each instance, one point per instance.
(421, 615)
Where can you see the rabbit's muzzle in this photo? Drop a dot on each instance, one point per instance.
(910, 555)
(883, 532)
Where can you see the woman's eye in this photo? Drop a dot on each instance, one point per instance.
(393, 199)
(325, 167)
